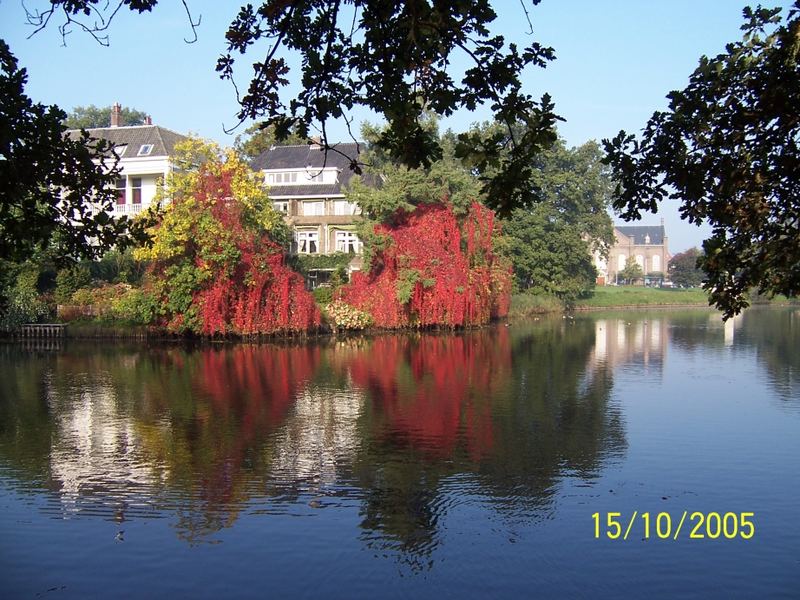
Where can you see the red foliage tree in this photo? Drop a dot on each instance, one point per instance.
(216, 265)
(434, 272)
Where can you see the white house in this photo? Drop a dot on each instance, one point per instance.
(306, 186)
(145, 153)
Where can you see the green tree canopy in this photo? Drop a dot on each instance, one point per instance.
(632, 271)
(551, 245)
(728, 148)
(684, 269)
(90, 117)
(387, 187)
(46, 179)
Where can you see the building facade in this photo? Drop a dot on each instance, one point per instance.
(307, 186)
(145, 159)
(647, 244)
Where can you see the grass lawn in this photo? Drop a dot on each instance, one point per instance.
(628, 295)
(523, 305)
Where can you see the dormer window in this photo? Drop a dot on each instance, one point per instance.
(145, 150)
(120, 150)
(298, 177)
(282, 178)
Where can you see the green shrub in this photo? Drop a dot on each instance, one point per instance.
(526, 304)
(23, 303)
(310, 262)
(82, 297)
(323, 295)
(118, 267)
(406, 281)
(70, 280)
(135, 306)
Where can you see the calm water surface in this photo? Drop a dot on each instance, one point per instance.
(462, 466)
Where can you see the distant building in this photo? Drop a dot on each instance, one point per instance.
(306, 185)
(145, 153)
(647, 244)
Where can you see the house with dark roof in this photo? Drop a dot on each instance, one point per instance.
(647, 244)
(145, 159)
(307, 185)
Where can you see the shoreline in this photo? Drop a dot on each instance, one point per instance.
(660, 305)
(150, 333)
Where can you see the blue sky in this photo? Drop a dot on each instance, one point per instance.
(616, 61)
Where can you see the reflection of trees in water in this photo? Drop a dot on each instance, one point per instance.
(428, 417)
(693, 331)
(772, 332)
(181, 429)
(512, 412)
(558, 417)
(403, 423)
(26, 430)
(230, 403)
(775, 335)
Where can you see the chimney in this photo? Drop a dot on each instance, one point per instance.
(148, 120)
(116, 112)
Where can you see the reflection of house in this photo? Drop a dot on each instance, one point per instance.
(319, 438)
(306, 185)
(96, 454)
(144, 152)
(647, 244)
(641, 342)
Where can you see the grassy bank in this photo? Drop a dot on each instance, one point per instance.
(608, 297)
(611, 296)
(524, 305)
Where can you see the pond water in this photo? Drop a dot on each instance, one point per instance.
(462, 466)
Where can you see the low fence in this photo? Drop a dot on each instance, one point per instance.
(42, 330)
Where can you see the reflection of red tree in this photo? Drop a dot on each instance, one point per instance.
(255, 384)
(454, 276)
(250, 390)
(435, 390)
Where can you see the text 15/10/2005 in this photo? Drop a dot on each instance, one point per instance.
(663, 525)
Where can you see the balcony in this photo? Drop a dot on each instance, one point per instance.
(127, 209)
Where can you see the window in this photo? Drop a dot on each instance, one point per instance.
(314, 175)
(145, 150)
(121, 191)
(656, 262)
(621, 259)
(347, 241)
(343, 207)
(307, 242)
(281, 207)
(120, 150)
(282, 178)
(136, 188)
(313, 209)
(640, 261)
